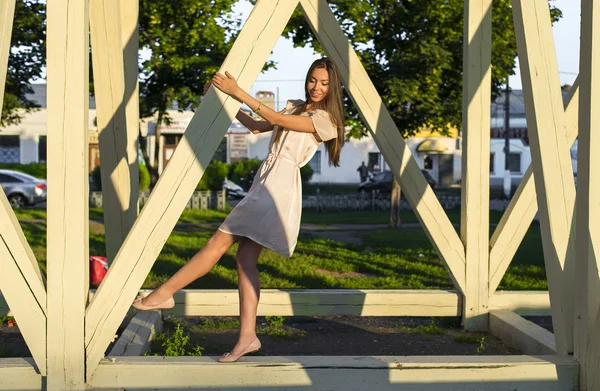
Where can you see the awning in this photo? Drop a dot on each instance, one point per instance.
(432, 146)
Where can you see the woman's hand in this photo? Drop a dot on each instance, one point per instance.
(226, 84)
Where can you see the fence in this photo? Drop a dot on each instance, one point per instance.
(201, 200)
(323, 202)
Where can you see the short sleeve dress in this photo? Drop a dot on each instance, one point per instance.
(270, 213)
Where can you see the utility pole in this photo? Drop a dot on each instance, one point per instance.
(277, 98)
(507, 180)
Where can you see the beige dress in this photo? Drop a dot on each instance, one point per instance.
(270, 212)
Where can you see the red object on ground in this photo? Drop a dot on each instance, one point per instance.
(11, 323)
(98, 269)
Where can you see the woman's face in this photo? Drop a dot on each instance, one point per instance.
(318, 84)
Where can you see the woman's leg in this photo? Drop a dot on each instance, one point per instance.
(199, 265)
(249, 291)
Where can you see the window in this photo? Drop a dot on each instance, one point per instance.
(172, 139)
(492, 155)
(428, 162)
(42, 149)
(8, 179)
(315, 163)
(9, 141)
(374, 162)
(514, 162)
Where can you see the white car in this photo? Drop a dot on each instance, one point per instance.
(22, 189)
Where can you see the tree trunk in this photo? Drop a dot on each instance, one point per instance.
(395, 204)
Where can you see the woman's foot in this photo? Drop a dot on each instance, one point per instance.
(155, 300)
(242, 348)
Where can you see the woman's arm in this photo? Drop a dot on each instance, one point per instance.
(298, 123)
(253, 125)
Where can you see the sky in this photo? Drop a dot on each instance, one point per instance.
(292, 63)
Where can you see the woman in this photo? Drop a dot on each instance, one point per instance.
(269, 215)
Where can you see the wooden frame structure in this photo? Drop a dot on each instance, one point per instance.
(68, 333)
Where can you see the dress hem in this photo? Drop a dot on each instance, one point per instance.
(286, 255)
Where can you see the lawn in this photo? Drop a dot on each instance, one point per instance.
(386, 259)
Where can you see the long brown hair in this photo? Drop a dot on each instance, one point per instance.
(332, 104)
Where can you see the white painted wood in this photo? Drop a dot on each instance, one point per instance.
(174, 188)
(389, 140)
(323, 302)
(68, 191)
(521, 334)
(587, 278)
(135, 339)
(129, 41)
(19, 374)
(7, 13)
(551, 159)
(27, 311)
(533, 303)
(475, 185)
(342, 373)
(14, 238)
(523, 207)
(120, 210)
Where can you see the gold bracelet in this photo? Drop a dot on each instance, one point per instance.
(258, 109)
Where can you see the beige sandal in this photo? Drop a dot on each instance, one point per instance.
(137, 304)
(252, 347)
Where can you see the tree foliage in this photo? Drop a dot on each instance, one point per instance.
(413, 53)
(26, 60)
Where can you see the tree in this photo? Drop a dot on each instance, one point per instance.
(413, 53)
(26, 59)
(187, 41)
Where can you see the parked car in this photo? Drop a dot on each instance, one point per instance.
(22, 189)
(233, 190)
(382, 182)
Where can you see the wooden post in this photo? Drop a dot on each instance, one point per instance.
(129, 40)
(119, 198)
(68, 190)
(587, 334)
(7, 13)
(551, 159)
(395, 201)
(475, 185)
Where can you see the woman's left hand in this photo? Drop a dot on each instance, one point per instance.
(226, 83)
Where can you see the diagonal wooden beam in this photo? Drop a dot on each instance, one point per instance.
(119, 197)
(428, 209)
(175, 186)
(475, 185)
(7, 14)
(27, 310)
(523, 207)
(551, 159)
(12, 234)
(68, 192)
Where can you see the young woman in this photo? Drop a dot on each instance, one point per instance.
(269, 215)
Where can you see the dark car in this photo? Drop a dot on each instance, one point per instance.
(22, 189)
(382, 182)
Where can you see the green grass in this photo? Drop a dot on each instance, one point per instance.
(387, 259)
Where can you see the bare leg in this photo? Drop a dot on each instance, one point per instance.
(199, 265)
(249, 291)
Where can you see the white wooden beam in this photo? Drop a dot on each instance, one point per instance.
(532, 303)
(12, 234)
(175, 186)
(7, 13)
(551, 159)
(129, 42)
(587, 319)
(321, 302)
(348, 373)
(26, 309)
(523, 207)
(68, 192)
(19, 374)
(521, 334)
(423, 200)
(119, 198)
(475, 187)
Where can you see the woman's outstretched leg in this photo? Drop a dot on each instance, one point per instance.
(249, 291)
(199, 265)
